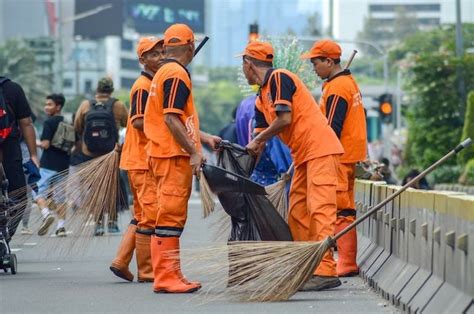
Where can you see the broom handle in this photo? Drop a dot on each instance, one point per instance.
(201, 44)
(291, 168)
(458, 148)
(348, 64)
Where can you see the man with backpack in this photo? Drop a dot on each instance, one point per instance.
(57, 140)
(15, 116)
(97, 123)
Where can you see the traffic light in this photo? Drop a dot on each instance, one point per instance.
(253, 32)
(385, 107)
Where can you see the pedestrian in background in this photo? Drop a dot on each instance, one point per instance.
(15, 114)
(110, 114)
(275, 159)
(52, 164)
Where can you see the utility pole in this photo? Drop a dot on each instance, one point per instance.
(460, 54)
(60, 21)
(331, 18)
(59, 49)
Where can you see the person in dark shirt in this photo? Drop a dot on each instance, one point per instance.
(10, 150)
(229, 132)
(52, 164)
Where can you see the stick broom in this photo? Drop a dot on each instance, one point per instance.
(274, 271)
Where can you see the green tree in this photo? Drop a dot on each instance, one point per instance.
(435, 112)
(17, 62)
(215, 103)
(438, 40)
(468, 131)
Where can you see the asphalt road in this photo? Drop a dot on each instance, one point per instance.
(53, 278)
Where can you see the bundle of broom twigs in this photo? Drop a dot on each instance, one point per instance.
(274, 271)
(88, 195)
(277, 193)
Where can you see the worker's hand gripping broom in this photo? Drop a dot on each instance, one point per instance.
(274, 271)
(277, 191)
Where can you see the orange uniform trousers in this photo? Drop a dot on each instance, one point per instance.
(143, 189)
(173, 177)
(313, 207)
(345, 190)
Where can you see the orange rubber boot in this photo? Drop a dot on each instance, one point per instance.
(124, 255)
(346, 249)
(143, 255)
(167, 269)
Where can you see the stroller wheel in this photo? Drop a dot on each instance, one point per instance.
(9, 262)
(13, 264)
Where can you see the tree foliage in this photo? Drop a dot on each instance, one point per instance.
(435, 113)
(17, 62)
(215, 103)
(468, 131)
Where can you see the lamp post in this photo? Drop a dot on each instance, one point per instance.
(59, 40)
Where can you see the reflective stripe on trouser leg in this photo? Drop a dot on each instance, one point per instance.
(166, 232)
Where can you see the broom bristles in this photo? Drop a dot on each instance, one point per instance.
(259, 271)
(92, 189)
(222, 225)
(276, 194)
(207, 197)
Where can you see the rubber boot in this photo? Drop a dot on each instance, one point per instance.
(120, 264)
(143, 255)
(167, 269)
(346, 249)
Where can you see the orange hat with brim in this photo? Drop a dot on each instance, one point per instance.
(323, 48)
(178, 35)
(146, 44)
(259, 50)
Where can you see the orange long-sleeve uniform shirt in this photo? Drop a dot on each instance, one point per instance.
(315, 150)
(170, 93)
(134, 158)
(341, 103)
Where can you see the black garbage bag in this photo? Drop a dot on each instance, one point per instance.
(223, 181)
(254, 218)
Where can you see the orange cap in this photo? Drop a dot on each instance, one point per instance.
(180, 34)
(259, 50)
(146, 44)
(323, 48)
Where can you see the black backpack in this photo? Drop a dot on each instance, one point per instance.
(100, 130)
(7, 122)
